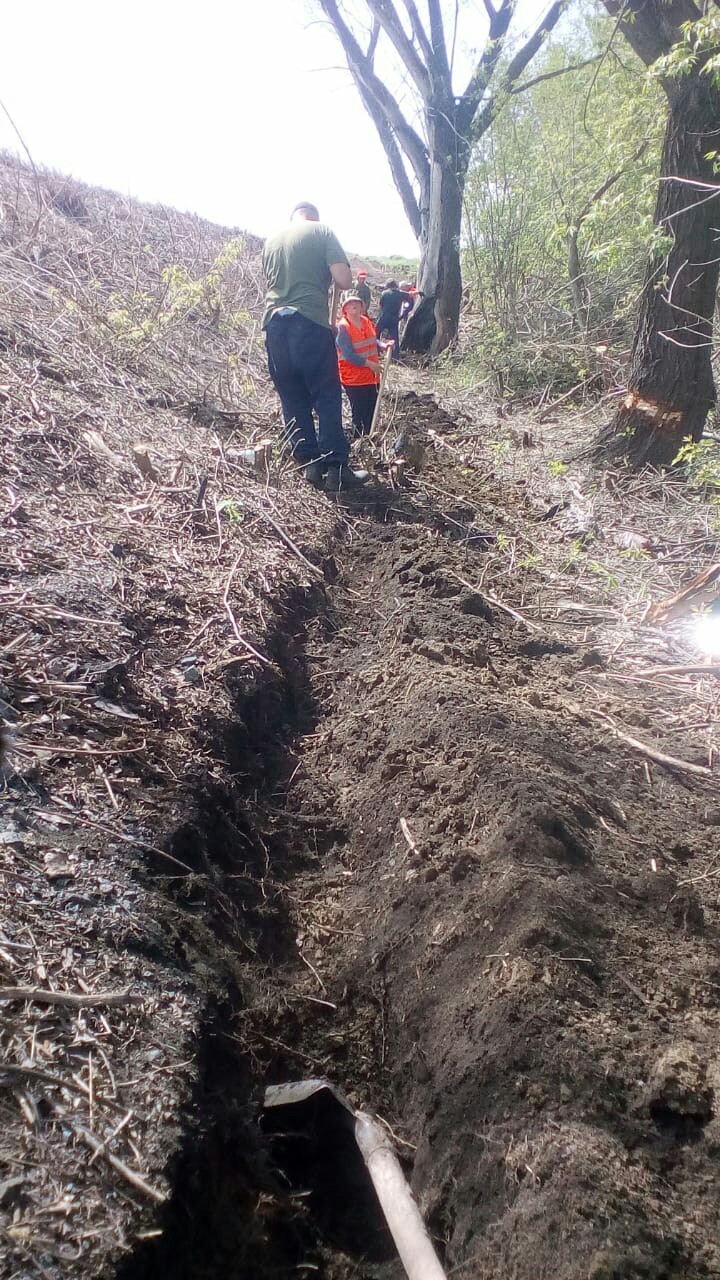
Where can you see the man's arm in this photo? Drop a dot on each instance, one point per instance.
(341, 274)
(336, 259)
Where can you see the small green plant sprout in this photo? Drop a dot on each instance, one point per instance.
(500, 449)
(635, 553)
(240, 320)
(557, 467)
(232, 509)
(530, 561)
(612, 583)
(701, 460)
(573, 557)
(133, 318)
(138, 317)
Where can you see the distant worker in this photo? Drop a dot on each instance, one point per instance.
(362, 290)
(359, 363)
(391, 304)
(407, 306)
(300, 263)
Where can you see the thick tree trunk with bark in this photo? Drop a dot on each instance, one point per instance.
(433, 327)
(670, 386)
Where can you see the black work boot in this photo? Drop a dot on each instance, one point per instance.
(315, 474)
(341, 478)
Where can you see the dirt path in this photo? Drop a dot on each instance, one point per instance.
(478, 924)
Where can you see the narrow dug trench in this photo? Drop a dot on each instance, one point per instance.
(247, 1198)
(459, 923)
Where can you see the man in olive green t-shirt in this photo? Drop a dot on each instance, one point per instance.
(300, 264)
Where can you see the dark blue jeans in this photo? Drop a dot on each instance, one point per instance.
(303, 366)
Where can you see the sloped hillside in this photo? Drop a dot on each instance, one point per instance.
(145, 581)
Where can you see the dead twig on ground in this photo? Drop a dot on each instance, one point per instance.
(658, 757)
(285, 537)
(132, 840)
(408, 836)
(135, 1179)
(698, 593)
(499, 604)
(236, 630)
(42, 1077)
(692, 669)
(73, 999)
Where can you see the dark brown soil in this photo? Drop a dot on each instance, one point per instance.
(530, 992)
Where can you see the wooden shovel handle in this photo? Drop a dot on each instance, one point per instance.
(383, 377)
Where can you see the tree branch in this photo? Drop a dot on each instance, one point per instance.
(481, 122)
(531, 46)
(384, 105)
(482, 75)
(386, 14)
(550, 75)
(374, 37)
(454, 38)
(397, 168)
(607, 184)
(418, 31)
(437, 36)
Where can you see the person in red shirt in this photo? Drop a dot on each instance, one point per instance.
(362, 290)
(411, 291)
(359, 363)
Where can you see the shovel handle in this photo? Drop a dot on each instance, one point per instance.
(381, 388)
(401, 1212)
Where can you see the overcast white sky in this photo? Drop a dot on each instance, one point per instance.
(225, 108)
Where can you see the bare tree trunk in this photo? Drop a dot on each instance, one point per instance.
(670, 386)
(433, 326)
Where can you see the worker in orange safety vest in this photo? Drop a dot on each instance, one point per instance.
(359, 363)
